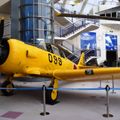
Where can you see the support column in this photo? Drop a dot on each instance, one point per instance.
(15, 19)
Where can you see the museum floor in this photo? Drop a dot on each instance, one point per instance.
(74, 105)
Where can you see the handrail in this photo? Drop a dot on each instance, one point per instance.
(71, 28)
(74, 50)
(59, 7)
(62, 32)
(77, 52)
(74, 25)
(87, 56)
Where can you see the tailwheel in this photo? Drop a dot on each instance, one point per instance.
(52, 95)
(7, 84)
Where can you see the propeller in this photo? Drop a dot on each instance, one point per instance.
(4, 46)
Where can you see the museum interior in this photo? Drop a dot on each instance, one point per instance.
(59, 59)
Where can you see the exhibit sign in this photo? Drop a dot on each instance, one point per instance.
(88, 41)
(111, 42)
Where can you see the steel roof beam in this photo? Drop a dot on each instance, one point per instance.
(83, 6)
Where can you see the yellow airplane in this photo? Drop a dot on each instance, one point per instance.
(20, 59)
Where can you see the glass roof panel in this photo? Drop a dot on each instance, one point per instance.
(87, 9)
(71, 6)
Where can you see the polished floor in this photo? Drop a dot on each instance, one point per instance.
(74, 105)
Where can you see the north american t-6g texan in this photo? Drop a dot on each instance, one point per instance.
(20, 59)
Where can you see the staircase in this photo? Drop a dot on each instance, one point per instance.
(74, 29)
(68, 27)
(73, 54)
(69, 54)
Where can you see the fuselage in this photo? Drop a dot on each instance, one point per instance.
(22, 56)
(16, 58)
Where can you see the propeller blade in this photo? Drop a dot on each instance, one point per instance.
(1, 28)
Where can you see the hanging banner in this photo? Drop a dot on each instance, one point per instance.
(111, 42)
(88, 41)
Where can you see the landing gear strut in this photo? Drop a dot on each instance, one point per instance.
(7, 84)
(52, 95)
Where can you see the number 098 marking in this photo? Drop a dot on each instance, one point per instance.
(54, 59)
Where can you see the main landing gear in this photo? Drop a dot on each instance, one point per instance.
(52, 95)
(7, 84)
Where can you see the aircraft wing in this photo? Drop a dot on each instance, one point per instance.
(83, 74)
(32, 70)
(91, 74)
(29, 71)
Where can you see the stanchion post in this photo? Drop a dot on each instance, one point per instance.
(44, 102)
(113, 85)
(100, 83)
(107, 88)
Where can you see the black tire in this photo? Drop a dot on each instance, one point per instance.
(7, 84)
(49, 99)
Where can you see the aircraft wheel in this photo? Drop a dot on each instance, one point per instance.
(7, 84)
(51, 96)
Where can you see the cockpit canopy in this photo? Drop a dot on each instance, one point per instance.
(51, 48)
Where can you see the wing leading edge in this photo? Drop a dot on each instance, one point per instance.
(84, 74)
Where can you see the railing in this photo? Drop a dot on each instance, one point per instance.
(59, 7)
(75, 52)
(70, 47)
(88, 54)
(72, 27)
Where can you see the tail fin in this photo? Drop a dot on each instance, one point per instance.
(81, 62)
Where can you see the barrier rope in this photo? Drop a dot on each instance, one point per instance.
(44, 88)
(59, 89)
(21, 89)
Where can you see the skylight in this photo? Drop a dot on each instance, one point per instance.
(85, 6)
